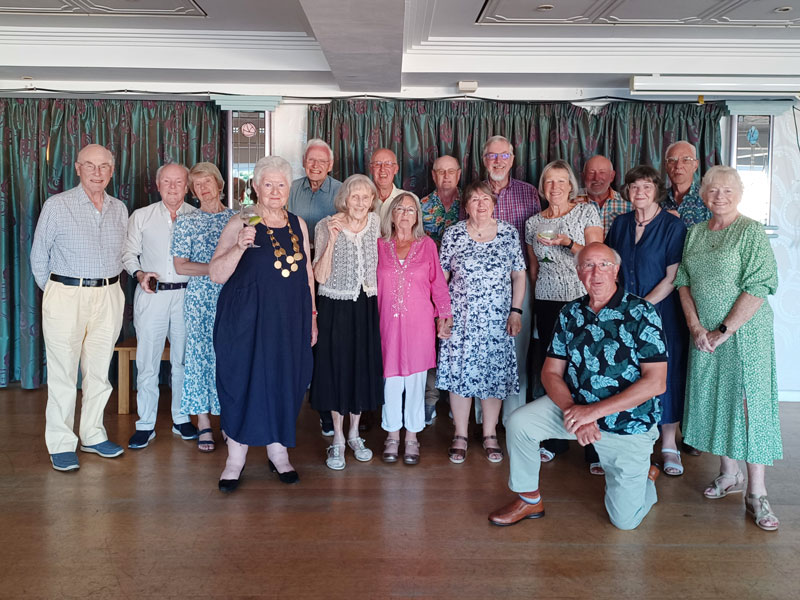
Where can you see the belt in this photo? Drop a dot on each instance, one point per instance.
(84, 281)
(170, 286)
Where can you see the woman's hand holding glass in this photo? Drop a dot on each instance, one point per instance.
(249, 215)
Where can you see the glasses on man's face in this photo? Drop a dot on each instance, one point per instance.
(496, 155)
(604, 265)
(441, 172)
(405, 210)
(686, 160)
(317, 161)
(382, 164)
(93, 168)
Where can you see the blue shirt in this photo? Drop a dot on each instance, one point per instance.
(313, 206)
(691, 210)
(604, 352)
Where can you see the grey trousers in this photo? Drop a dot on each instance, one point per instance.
(625, 458)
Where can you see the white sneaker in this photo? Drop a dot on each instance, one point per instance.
(362, 453)
(335, 459)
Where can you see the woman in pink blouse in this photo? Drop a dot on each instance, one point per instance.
(412, 292)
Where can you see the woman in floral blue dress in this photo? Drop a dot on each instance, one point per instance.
(193, 243)
(482, 259)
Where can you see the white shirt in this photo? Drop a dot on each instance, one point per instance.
(147, 247)
(394, 193)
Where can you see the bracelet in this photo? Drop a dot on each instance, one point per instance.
(516, 310)
(570, 245)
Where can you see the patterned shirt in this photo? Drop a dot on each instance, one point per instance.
(435, 218)
(516, 203)
(313, 206)
(691, 209)
(604, 352)
(74, 239)
(614, 206)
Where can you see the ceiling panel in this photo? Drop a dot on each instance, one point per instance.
(117, 8)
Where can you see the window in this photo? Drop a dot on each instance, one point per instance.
(751, 154)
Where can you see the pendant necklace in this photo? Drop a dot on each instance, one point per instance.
(646, 221)
(290, 259)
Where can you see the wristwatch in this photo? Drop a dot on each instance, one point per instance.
(722, 328)
(570, 245)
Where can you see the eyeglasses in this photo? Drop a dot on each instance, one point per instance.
(603, 266)
(383, 163)
(441, 172)
(496, 155)
(684, 159)
(405, 209)
(317, 161)
(93, 168)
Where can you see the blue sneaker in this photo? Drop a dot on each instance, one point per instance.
(141, 438)
(105, 449)
(187, 431)
(65, 461)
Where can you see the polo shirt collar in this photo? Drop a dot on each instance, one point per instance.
(614, 302)
(325, 187)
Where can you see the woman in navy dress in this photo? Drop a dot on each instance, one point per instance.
(265, 325)
(650, 242)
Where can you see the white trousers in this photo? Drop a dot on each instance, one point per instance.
(80, 326)
(158, 317)
(414, 412)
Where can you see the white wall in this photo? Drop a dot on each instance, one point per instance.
(289, 124)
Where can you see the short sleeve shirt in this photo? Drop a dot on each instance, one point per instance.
(692, 210)
(436, 218)
(604, 353)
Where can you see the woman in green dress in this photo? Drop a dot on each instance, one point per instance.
(728, 270)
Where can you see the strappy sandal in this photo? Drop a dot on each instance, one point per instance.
(494, 454)
(596, 468)
(545, 455)
(763, 515)
(715, 490)
(411, 453)
(390, 447)
(205, 445)
(458, 455)
(672, 468)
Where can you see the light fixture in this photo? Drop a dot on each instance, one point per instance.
(783, 9)
(544, 7)
(714, 85)
(467, 87)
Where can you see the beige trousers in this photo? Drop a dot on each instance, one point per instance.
(80, 326)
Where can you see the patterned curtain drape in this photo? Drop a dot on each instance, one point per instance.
(629, 133)
(40, 143)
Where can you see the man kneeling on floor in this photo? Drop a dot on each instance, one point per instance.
(605, 367)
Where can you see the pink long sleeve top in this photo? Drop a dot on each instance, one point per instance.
(410, 295)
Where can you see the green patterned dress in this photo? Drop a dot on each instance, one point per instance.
(717, 267)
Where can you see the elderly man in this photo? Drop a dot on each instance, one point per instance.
(606, 366)
(516, 202)
(76, 260)
(158, 302)
(598, 173)
(441, 208)
(383, 166)
(683, 197)
(311, 197)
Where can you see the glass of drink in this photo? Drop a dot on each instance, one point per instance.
(251, 218)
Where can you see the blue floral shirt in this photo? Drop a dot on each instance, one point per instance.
(604, 352)
(692, 210)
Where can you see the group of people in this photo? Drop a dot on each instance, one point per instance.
(644, 312)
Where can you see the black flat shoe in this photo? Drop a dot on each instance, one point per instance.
(287, 477)
(229, 485)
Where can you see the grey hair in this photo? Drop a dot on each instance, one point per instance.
(563, 165)
(721, 172)
(317, 142)
(387, 227)
(272, 163)
(165, 165)
(673, 145)
(617, 257)
(497, 138)
(205, 169)
(348, 185)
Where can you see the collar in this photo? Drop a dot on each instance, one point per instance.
(83, 197)
(694, 190)
(614, 301)
(325, 187)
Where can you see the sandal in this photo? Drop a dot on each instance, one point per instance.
(545, 455)
(715, 489)
(763, 515)
(457, 455)
(411, 453)
(494, 454)
(390, 450)
(671, 467)
(205, 445)
(596, 468)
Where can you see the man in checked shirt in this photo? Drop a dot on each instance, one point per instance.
(516, 202)
(76, 259)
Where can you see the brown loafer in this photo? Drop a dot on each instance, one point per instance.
(516, 511)
(653, 473)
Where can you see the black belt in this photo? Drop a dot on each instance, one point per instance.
(171, 286)
(85, 281)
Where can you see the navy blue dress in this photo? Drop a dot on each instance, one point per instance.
(262, 339)
(644, 264)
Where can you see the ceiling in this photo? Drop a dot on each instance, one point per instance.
(514, 49)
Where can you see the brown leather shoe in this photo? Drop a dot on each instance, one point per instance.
(653, 473)
(515, 512)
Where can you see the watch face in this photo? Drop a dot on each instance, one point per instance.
(723, 328)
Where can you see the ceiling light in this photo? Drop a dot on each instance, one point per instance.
(544, 7)
(783, 9)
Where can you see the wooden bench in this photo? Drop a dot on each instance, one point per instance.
(127, 352)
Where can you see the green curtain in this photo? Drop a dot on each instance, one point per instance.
(40, 142)
(629, 133)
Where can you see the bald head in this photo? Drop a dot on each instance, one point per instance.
(446, 174)
(681, 158)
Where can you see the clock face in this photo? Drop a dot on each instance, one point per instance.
(248, 130)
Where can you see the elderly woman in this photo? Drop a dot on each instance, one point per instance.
(193, 243)
(348, 368)
(553, 238)
(482, 259)
(265, 325)
(412, 292)
(728, 270)
(650, 242)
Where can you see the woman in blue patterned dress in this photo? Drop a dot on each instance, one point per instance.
(193, 244)
(482, 259)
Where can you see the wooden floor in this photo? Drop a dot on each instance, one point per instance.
(152, 524)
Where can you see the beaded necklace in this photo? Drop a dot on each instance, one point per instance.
(291, 259)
